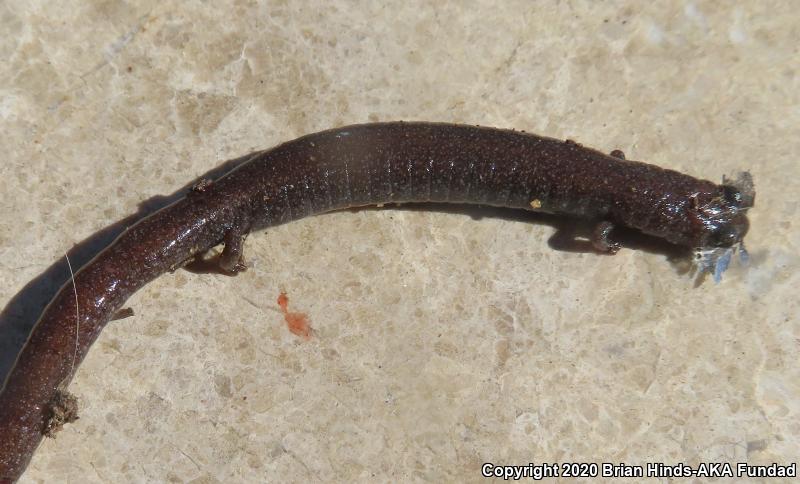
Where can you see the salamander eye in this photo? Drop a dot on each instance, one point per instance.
(724, 236)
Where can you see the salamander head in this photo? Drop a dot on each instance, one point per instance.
(722, 220)
(721, 224)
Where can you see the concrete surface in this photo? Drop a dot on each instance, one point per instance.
(442, 340)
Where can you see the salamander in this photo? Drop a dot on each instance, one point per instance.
(356, 166)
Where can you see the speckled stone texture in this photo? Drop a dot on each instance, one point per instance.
(442, 340)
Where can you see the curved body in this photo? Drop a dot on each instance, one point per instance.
(347, 167)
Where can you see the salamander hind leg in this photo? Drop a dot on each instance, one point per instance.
(232, 258)
(601, 238)
(122, 314)
(228, 263)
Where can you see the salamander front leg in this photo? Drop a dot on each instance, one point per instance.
(601, 238)
(232, 258)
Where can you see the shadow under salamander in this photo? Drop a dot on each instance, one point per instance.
(571, 234)
(23, 310)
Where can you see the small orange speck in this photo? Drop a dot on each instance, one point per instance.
(297, 322)
(283, 301)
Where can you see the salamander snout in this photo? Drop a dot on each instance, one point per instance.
(730, 233)
(722, 213)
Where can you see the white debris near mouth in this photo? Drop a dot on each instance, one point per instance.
(715, 260)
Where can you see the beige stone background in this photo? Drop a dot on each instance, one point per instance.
(442, 340)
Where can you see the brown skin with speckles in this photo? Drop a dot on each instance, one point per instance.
(348, 167)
